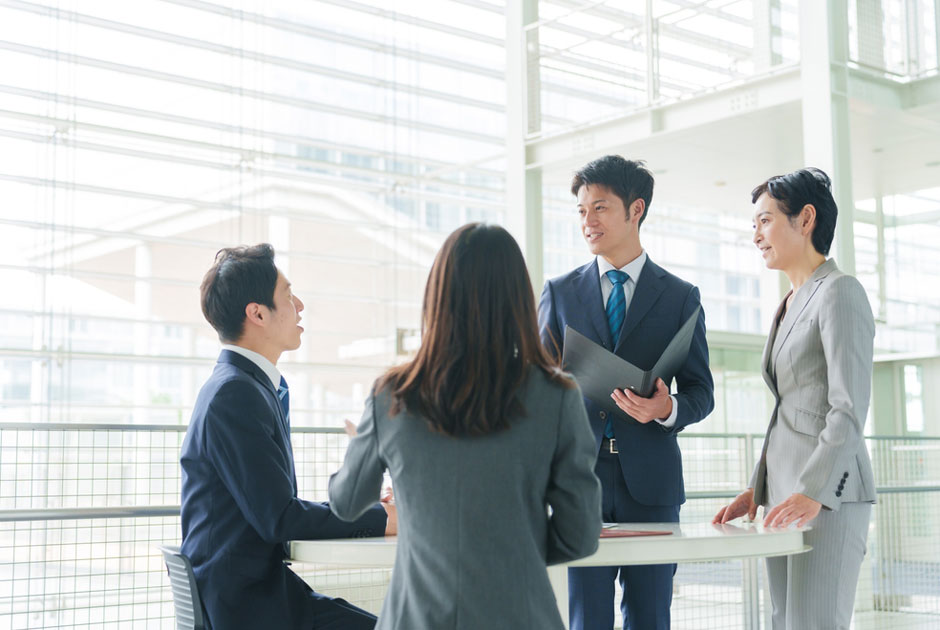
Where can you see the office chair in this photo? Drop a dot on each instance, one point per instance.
(185, 594)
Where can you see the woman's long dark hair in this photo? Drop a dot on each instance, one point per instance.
(479, 337)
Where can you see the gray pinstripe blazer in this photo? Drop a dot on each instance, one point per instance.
(474, 533)
(818, 363)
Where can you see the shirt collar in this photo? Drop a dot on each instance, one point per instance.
(266, 366)
(632, 268)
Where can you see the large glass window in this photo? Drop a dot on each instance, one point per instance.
(897, 259)
(138, 139)
(913, 399)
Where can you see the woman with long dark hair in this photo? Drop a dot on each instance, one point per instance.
(489, 450)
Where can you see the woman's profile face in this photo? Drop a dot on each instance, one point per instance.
(779, 239)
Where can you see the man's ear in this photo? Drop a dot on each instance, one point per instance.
(637, 208)
(254, 314)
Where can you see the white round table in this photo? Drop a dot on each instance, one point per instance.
(696, 542)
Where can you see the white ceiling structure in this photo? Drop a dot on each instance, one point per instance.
(713, 145)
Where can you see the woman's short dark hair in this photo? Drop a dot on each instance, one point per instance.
(628, 179)
(239, 276)
(479, 337)
(795, 190)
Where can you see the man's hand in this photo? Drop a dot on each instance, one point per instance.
(645, 409)
(388, 502)
(350, 428)
(798, 507)
(742, 504)
(391, 525)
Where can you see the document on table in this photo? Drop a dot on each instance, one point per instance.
(599, 371)
(611, 530)
(631, 533)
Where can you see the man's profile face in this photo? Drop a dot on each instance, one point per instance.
(604, 223)
(284, 328)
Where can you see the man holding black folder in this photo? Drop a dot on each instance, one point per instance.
(632, 307)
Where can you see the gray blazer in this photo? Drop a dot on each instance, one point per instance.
(818, 365)
(474, 529)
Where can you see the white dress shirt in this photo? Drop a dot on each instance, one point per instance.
(266, 366)
(633, 269)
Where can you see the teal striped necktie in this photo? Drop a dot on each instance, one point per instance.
(283, 395)
(616, 310)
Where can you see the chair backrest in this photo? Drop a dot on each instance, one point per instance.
(185, 594)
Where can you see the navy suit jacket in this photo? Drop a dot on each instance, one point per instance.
(649, 453)
(240, 505)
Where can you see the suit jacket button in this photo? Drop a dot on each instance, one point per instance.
(603, 415)
(845, 476)
(838, 493)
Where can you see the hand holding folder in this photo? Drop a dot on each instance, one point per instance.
(599, 371)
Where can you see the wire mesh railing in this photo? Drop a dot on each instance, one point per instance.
(83, 508)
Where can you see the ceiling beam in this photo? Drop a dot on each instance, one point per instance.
(636, 21)
(591, 139)
(703, 8)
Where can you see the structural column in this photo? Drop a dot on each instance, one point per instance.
(523, 117)
(765, 31)
(882, 313)
(144, 373)
(824, 77)
(40, 367)
(936, 19)
(652, 55)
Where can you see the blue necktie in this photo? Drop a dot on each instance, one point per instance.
(616, 310)
(283, 394)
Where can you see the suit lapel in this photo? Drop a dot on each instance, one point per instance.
(246, 365)
(768, 347)
(647, 291)
(800, 300)
(250, 367)
(588, 290)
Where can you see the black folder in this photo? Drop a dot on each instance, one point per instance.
(599, 372)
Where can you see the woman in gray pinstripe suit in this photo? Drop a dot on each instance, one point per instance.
(814, 468)
(482, 434)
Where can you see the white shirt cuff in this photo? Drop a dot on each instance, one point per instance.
(671, 420)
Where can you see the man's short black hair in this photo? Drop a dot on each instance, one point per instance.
(795, 190)
(239, 276)
(628, 179)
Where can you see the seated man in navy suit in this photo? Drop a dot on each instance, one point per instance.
(633, 307)
(240, 504)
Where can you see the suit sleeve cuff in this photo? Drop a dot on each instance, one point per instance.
(671, 420)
